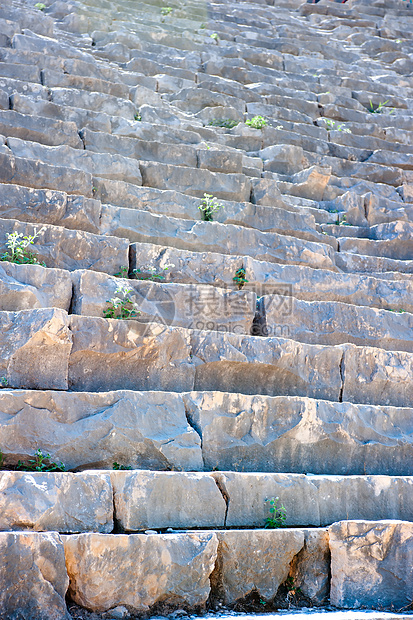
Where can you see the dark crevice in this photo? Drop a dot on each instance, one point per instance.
(72, 300)
(342, 372)
(225, 495)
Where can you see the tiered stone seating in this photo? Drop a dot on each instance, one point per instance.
(265, 354)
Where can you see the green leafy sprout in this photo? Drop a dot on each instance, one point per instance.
(166, 10)
(17, 244)
(118, 467)
(227, 123)
(121, 306)
(209, 206)
(214, 36)
(278, 514)
(40, 462)
(40, 6)
(331, 125)
(240, 278)
(257, 122)
(381, 108)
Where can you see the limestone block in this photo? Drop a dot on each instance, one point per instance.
(220, 161)
(355, 263)
(90, 83)
(99, 164)
(398, 248)
(37, 174)
(167, 499)
(39, 206)
(127, 354)
(266, 278)
(43, 130)
(99, 102)
(34, 348)
(283, 158)
(266, 192)
(371, 564)
(33, 577)
(221, 238)
(311, 183)
(71, 249)
(4, 100)
(63, 502)
(191, 306)
(139, 570)
(146, 430)
(310, 568)
(376, 376)
(325, 322)
(24, 287)
(264, 434)
(195, 99)
(196, 181)
(273, 366)
(254, 560)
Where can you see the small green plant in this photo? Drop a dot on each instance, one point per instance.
(118, 467)
(40, 6)
(17, 245)
(121, 306)
(166, 10)
(152, 273)
(257, 122)
(1, 459)
(278, 514)
(209, 206)
(40, 462)
(331, 125)
(380, 109)
(137, 117)
(240, 278)
(227, 123)
(214, 36)
(123, 273)
(4, 382)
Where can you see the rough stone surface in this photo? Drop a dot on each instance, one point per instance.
(34, 348)
(93, 430)
(23, 287)
(291, 434)
(63, 502)
(310, 568)
(254, 560)
(140, 570)
(33, 577)
(163, 499)
(371, 564)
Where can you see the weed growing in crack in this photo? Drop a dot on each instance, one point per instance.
(4, 382)
(278, 514)
(40, 6)
(227, 123)
(152, 273)
(40, 462)
(331, 126)
(381, 108)
(118, 467)
(209, 206)
(17, 251)
(240, 278)
(257, 122)
(121, 306)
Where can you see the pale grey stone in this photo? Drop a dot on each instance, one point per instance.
(62, 501)
(169, 568)
(310, 568)
(34, 348)
(84, 430)
(43, 130)
(24, 287)
(266, 434)
(33, 577)
(145, 500)
(371, 564)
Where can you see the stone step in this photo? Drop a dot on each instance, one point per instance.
(195, 359)
(272, 278)
(143, 226)
(54, 79)
(92, 501)
(326, 322)
(374, 265)
(393, 240)
(192, 306)
(98, 102)
(70, 249)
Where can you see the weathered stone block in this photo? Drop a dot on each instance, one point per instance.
(371, 564)
(172, 569)
(43, 130)
(33, 577)
(254, 560)
(34, 348)
(259, 433)
(25, 287)
(126, 354)
(167, 499)
(310, 568)
(88, 430)
(192, 306)
(63, 502)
